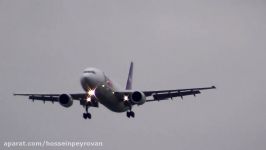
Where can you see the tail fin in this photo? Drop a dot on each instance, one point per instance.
(130, 77)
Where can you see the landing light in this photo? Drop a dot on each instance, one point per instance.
(91, 92)
(88, 99)
(126, 98)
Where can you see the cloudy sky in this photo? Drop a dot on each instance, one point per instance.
(45, 45)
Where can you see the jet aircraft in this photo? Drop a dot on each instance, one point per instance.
(99, 89)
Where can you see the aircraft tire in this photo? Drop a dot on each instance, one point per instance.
(89, 115)
(128, 114)
(132, 114)
(84, 115)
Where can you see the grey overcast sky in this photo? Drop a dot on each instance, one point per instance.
(45, 45)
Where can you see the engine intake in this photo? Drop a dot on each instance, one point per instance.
(138, 98)
(65, 100)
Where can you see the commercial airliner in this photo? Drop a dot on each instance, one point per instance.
(98, 88)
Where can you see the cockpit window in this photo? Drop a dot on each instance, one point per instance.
(89, 71)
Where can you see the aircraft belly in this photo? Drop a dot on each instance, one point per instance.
(108, 99)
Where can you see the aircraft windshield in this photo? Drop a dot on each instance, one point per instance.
(89, 71)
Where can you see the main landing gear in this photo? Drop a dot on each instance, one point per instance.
(87, 115)
(130, 114)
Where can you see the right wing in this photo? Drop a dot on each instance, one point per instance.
(52, 97)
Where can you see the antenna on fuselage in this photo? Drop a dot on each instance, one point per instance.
(130, 77)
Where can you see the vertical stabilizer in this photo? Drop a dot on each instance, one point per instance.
(130, 77)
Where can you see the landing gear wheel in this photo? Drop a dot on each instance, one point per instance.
(85, 115)
(89, 115)
(130, 114)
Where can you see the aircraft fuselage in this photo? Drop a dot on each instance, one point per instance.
(103, 89)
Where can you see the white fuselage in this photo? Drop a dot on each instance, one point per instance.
(103, 89)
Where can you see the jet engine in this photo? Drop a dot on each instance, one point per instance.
(138, 98)
(65, 100)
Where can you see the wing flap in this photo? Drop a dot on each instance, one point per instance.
(149, 93)
(175, 94)
(165, 94)
(52, 97)
(44, 98)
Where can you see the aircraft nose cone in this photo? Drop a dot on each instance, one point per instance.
(88, 82)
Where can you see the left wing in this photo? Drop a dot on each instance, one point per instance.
(166, 94)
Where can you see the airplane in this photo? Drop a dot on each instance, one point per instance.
(98, 88)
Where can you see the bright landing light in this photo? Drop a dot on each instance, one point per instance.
(126, 98)
(91, 92)
(88, 99)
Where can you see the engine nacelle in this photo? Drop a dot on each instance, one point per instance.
(138, 98)
(65, 100)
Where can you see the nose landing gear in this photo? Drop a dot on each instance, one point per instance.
(87, 115)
